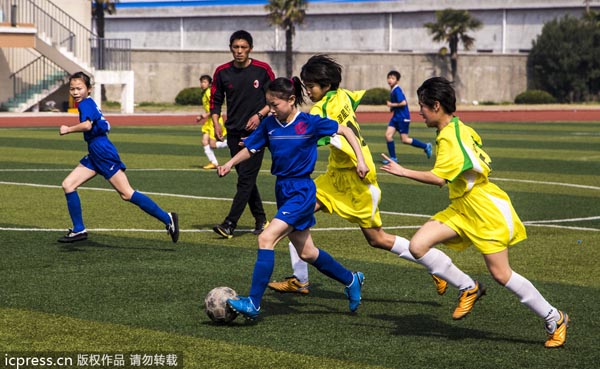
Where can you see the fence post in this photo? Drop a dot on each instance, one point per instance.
(13, 15)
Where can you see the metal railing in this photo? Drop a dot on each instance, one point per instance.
(111, 53)
(36, 77)
(63, 31)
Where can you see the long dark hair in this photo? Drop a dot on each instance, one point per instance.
(284, 88)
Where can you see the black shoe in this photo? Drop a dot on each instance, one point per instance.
(260, 226)
(73, 236)
(173, 227)
(225, 229)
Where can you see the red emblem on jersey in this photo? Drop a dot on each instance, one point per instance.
(300, 128)
(256, 83)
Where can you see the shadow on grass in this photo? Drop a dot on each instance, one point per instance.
(425, 325)
(81, 245)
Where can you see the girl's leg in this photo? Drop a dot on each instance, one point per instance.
(263, 268)
(120, 183)
(265, 260)
(327, 265)
(437, 262)
(426, 146)
(389, 139)
(499, 267)
(76, 178)
(208, 145)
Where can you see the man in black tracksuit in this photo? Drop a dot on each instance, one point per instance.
(241, 83)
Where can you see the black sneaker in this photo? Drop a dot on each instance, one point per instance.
(73, 236)
(225, 229)
(260, 226)
(173, 227)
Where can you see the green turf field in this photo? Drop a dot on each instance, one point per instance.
(129, 289)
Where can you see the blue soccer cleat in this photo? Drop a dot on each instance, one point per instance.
(244, 306)
(353, 290)
(385, 161)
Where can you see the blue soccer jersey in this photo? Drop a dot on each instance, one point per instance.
(88, 110)
(401, 113)
(293, 145)
(102, 156)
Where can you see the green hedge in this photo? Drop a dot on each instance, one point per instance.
(376, 96)
(189, 96)
(535, 97)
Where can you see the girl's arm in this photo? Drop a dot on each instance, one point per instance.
(417, 175)
(361, 167)
(224, 169)
(81, 127)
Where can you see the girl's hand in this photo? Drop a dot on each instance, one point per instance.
(64, 130)
(392, 167)
(362, 169)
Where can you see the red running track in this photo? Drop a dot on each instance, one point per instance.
(57, 119)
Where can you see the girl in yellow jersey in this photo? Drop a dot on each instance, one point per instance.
(480, 213)
(340, 190)
(209, 141)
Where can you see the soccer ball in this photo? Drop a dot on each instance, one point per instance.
(216, 306)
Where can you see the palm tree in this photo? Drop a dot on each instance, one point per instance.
(451, 26)
(286, 14)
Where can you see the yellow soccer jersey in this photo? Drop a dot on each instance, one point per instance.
(208, 126)
(339, 105)
(460, 160)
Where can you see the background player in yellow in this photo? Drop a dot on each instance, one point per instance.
(340, 190)
(209, 141)
(480, 213)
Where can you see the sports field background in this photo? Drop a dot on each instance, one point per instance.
(129, 289)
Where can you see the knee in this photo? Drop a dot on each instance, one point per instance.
(68, 186)
(266, 241)
(406, 140)
(389, 137)
(501, 276)
(418, 248)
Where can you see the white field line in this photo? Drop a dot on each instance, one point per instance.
(538, 223)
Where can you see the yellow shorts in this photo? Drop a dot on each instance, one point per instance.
(209, 128)
(343, 192)
(485, 218)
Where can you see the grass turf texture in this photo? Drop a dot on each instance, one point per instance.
(128, 288)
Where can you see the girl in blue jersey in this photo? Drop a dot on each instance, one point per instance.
(292, 137)
(103, 159)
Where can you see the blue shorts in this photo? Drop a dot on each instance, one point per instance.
(296, 199)
(401, 125)
(103, 158)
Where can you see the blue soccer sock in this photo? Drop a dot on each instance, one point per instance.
(327, 265)
(417, 143)
(74, 206)
(146, 204)
(263, 268)
(391, 146)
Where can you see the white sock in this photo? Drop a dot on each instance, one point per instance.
(400, 248)
(531, 297)
(441, 265)
(222, 144)
(210, 155)
(300, 266)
